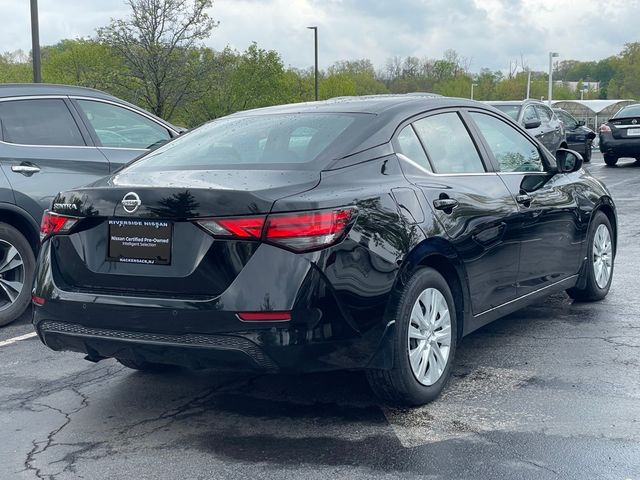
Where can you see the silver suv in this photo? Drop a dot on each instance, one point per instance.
(53, 138)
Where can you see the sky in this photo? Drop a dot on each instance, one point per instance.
(488, 33)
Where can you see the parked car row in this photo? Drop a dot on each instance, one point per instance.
(367, 233)
(364, 233)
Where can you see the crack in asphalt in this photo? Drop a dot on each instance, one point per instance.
(516, 454)
(608, 339)
(181, 411)
(26, 401)
(39, 447)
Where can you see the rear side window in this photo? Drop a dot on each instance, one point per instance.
(119, 127)
(448, 144)
(39, 122)
(409, 146)
(260, 140)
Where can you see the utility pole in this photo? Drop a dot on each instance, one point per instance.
(472, 86)
(551, 57)
(315, 41)
(35, 42)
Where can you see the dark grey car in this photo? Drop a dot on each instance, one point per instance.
(53, 138)
(538, 118)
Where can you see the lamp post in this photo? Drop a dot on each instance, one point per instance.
(35, 42)
(551, 57)
(472, 86)
(315, 42)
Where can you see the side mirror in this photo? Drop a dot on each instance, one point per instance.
(568, 161)
(581, 123)
(532, 124)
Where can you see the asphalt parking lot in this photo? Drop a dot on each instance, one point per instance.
(552, 391)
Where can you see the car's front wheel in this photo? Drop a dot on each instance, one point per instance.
(425, 342)
(610, 160)
(598, 273)
(17, 264)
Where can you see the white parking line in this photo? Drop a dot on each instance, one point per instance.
(17, 339)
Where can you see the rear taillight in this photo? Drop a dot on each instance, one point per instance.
(235, 227)
(298, 231)
(308, 230)
(604, 128)
(54, 223)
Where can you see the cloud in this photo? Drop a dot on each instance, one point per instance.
(490, 33)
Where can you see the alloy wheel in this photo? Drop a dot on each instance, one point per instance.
(12, 274)
(602, 256)
(429, 336)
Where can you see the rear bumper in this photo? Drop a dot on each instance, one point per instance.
(294, 348)
(189, 350)
(327, 330)
(620, 147)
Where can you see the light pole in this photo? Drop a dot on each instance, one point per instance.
(315, 42)
(528, 83)
(472, 86)
(551, 57)
(35, 42)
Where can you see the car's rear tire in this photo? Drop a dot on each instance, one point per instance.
(587, 153)
(610, 160)
(143, 366)
(424, 344)
(17, 266)
(598, 273)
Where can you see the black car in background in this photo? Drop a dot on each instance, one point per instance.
(579, 137)
(620, 136)
(538, 119)
(366, 233)
(53, 138)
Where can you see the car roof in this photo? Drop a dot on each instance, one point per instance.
(29, 89)
(513, 102)
(9, 90)
(386, 104)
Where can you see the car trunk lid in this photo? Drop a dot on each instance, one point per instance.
(105, 253)
(625, 127)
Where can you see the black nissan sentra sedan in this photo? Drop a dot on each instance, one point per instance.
(364, 233)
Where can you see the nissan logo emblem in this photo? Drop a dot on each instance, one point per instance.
(131, 202)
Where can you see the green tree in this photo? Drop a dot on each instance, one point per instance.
(82, 62)
(15, 67)
(159, 45)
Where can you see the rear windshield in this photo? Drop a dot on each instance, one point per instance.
(631, 111)
(291, 139)
(510, 110)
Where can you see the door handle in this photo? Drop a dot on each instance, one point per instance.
(25, 169)
(445, 204)
(524, 199)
